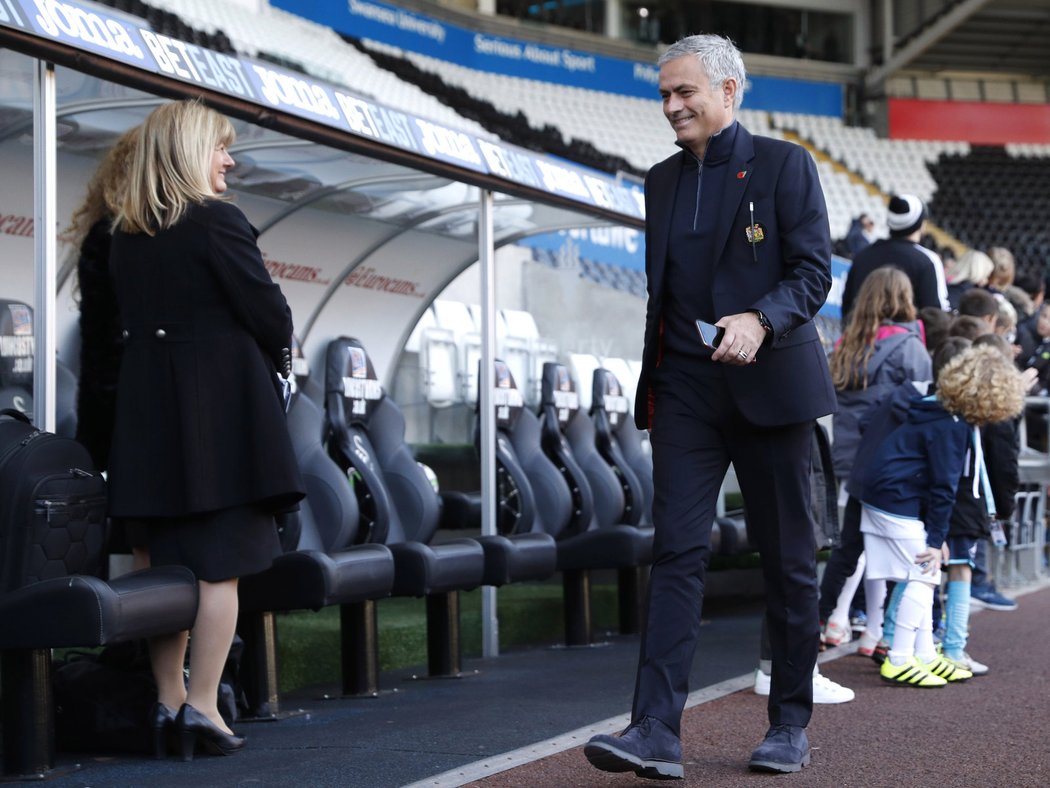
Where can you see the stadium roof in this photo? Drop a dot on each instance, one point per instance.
(1011, 37)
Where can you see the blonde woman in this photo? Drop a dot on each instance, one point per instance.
(972, 269)
(200, 458)
(908, 491)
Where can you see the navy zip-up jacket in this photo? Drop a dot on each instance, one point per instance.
(915, 471)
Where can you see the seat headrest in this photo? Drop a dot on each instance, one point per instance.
(559, 392)
(16, 344)
(506, 398)
(350, 374)
(607, 395)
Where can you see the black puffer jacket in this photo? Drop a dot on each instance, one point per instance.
(1001, 448)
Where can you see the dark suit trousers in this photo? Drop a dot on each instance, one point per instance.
(843, 560)
(697, 431)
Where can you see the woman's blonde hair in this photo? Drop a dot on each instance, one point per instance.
(171, 166)
(972, 266)
(1005, 267)
(105, 190)
(981, 386)
(885, 296)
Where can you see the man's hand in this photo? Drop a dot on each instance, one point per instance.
(743, 337)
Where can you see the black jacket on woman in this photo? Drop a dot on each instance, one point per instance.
(100, 344)
(199, 423)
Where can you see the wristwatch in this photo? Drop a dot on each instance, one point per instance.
(762, 320)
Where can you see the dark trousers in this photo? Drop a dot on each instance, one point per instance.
(843, 560)
(697, 431)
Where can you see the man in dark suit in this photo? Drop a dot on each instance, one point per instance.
(736, 235)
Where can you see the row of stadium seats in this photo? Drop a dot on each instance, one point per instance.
(893, 165)
(992, 198)
(447, 341)
(273, 34)
(571, 505)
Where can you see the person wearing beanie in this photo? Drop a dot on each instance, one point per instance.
(905, 217)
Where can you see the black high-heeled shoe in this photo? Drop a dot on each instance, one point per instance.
(193, 727)
(162, 727)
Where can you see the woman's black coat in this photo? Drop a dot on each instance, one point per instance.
(100, 344)
(199, 424)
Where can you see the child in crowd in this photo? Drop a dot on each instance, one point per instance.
(881, 347)
(969, 327)
(936, 323)
(907, 490)
(985, 493)
(887, 418)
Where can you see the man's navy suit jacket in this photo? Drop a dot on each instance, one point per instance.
(789, 382)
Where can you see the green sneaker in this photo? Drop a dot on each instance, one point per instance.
(911, 674)
(948, 669)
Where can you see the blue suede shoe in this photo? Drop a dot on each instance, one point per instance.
(648, 748)
(785, 749)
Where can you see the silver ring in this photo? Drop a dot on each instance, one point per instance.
(742, 353)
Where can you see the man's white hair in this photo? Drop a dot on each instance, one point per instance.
(719, 57)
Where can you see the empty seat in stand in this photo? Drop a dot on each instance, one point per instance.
(366, 437)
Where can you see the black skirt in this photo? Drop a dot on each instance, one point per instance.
(215, 546)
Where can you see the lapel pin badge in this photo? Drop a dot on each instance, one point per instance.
(754, 232)
(740, 175)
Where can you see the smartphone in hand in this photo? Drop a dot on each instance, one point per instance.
(710, 335)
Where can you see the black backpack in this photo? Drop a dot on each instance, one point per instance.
(52, 505)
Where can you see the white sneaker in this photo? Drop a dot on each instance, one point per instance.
(761, 682)
(971, 664)
(827, 691)
(824, 689)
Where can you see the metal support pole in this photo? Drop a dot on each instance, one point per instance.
(614, 18)
(443, 635)
(360, 648)
(45, 244)
(486, 385)
(27, 714)
(259, 664)
(576, 594)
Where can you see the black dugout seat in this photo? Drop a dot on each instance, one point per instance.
(16, 356)
(583, 518)
(521, 549)
(52, 597)
(16, 369)
(328, 566)
(397, 502)
(622, 446)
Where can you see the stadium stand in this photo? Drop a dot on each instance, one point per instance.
(997, 197)
(293, 42)
(511, 127)
(893, 165)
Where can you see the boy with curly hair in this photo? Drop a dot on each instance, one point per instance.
(908, 490)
